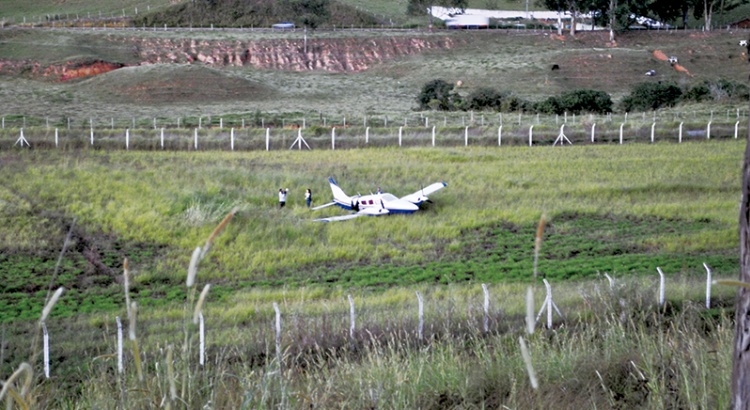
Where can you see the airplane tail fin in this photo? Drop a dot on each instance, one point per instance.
(338, 193)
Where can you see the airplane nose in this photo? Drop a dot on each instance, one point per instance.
(406, 206)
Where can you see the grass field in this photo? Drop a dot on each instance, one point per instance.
(620, 210)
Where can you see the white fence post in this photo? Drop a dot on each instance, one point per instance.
(268, 139)
(736, 129)
(333, 138)
(433, 135)
(120, 367)
(653, 126)
(593, 131)
(92, 136)
(161, 138)
(56, 137)
(708, 131)
(278, 332)
(352, 317)
(486, 308)
(421, 315)
(611, 281)
(127, 139)
(661, 287)
(621, 126)
(530, 322)
(548, 305)
(680, 135)
(400, 133)
(196, 139)
(46, 350)
(531, 133)
(231, 138)
(202, 340)
(221, 123)
(466, 136)
(367, 135)
(500, 136)
(708, 286)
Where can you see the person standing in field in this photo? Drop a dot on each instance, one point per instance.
(282, 197)
(308, 197)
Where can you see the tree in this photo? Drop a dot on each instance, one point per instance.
(705, 9)
(438, 95)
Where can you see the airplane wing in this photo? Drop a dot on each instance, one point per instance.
(365, 212)
(338, 218)
(323, 206)
(422, 195)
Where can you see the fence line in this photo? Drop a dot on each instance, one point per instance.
(407, 120)
(547, 306)
(355, 137)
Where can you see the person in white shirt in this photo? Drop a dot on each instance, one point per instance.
(282, 197)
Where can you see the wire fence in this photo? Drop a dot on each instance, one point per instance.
(224, 137)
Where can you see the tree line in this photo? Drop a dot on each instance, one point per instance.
(618, 14)
(441, 95)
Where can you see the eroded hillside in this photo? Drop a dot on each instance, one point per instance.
(337, 55)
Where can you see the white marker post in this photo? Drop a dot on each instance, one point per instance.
(708, 131)
(466, 137)
(653, 127)
(46, 350)
(661, 287)
(680, 135)
(333, 139)
(548, 305)
(486, 308)
(708, 286)
(278, 332)
(367, 135)
(593, 131)
(421, 316)
(127, 139)
(161, 138)
(352, 318)
(400, 134)
(611, 281)
(120, 367)
(201, 339)
(736, 129)
(231, 138)
(621, 126)
(268, 139)
(196, 139)
(433, 135)
(531, 133)
(500, 136)
(56, 137)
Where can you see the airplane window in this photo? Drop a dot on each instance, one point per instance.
(371, 202)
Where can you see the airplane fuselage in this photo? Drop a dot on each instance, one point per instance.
(374, 202)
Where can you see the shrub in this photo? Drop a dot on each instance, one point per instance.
(651, 96)
(579, 101)
(697, 93)
(438, 95)
(485, 99)
(576, 102)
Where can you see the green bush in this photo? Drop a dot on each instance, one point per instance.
(576, 102)
(651, 96)
(697, 93)
(485, 99)
(438, 95)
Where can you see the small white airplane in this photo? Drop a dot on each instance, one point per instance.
(376, 204)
